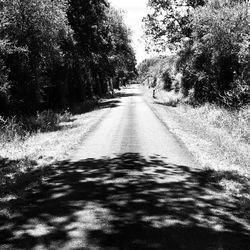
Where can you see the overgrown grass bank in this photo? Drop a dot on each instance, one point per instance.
(29, 144)
(218, 138)
(20, 128)
(227, 132)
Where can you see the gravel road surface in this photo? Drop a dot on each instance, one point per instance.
(132, 127)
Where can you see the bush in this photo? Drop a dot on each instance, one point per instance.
(11, 129)
(167, 80)
(4, 88)
(45, 121)
(238, 97)
(18, 128)
(65, 116)
(235, 122)
(215, 61)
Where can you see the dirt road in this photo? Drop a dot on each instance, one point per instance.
(132, 127)
(130, 185)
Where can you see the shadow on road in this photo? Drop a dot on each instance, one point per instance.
(113, 103)
(125, 202)
(169, 103)
(127, 94)
(91, 105)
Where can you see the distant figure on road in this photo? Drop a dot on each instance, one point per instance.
(153, 93)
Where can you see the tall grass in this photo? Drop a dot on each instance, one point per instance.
(18, 128)
(234, 122)
(227, 131)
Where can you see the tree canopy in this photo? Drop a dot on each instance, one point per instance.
(212, 46)
(169, 22)
(60, 52)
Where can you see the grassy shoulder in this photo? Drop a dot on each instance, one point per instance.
(25, 155)
(218, 139)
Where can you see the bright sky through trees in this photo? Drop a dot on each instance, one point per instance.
(134, 11)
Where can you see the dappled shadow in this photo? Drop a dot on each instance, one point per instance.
(65, 125)
(127, 94)
(101, 104)
(12, 173)
(169, 103)
(3, 162)
(113, 103)
(125, 202)
(91, 105)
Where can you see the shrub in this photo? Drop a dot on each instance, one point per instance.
(167, 80)
(238, 96)
(4, 88)
(11, 129)
(215, 60)
(18, 128)
(46, 121)
(65, 116)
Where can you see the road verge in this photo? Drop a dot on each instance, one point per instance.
(217, 151)
(24, 162)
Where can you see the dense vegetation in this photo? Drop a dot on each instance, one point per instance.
(54, 53)
(210, 41)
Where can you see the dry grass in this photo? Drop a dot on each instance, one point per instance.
(20, 128)
(218, 138)
(227, 131)
(24, 153)
(235, 123)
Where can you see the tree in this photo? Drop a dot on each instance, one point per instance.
(169, 22)
(35, 26)
(213, 61)
(121, 56)
(55, 53)
(87, 18)
(212, 38)
(103, 42)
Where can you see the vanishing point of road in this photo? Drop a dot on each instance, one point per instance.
(132, 127)
(130, 185)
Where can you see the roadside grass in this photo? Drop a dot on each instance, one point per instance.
(228, 130)
(31, 145)
(234, 187)
(19, 128)
(14, 133)
(218, 138)
(168, 98)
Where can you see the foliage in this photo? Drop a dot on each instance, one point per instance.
(11, 129)
(54, 54)
(4, 87)
(36, 28)
(214, 57)
(121, 57)
(168, 23)
(212, 61)
(157, 72)
(20, 127)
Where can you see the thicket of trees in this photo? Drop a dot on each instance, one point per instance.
(211, 41)
(54, 53)
(157, 72)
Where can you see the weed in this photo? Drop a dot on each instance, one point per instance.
(65, 116)
(236, 123)
(19, 128)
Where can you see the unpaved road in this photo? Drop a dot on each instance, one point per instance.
(132, 127)
(130, 185)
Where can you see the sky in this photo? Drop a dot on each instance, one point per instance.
(134, 11)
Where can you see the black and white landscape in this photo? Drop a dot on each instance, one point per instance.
(125, 124)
